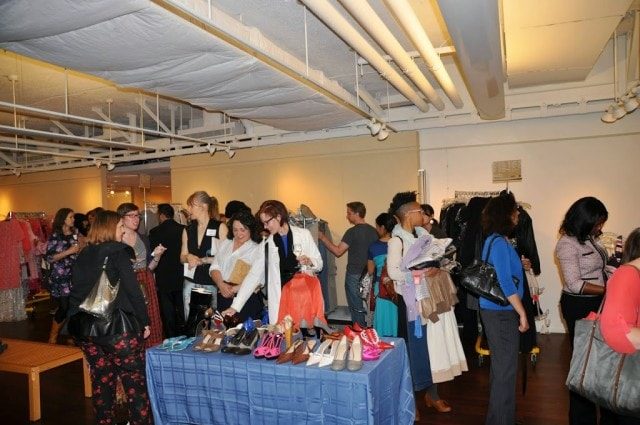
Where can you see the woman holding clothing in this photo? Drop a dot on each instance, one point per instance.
(62, 250)
(200, 241)
(242, 248)
(582, 263)
(410, 324)
(284, 251)
(503, 324)
(119, 353)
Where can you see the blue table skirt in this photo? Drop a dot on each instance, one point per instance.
(190, 387)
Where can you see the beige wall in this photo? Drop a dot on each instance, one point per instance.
(80, 189)
(563, 159)
(324, 175)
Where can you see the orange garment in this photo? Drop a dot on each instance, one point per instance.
(621, 310)
(302, 299)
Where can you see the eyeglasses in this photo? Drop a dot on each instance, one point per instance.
(132, 215)
(266, 223)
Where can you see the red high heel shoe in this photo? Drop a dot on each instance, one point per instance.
(356, 327)
(350, 333)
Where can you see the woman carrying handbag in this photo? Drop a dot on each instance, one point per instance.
(113, 343)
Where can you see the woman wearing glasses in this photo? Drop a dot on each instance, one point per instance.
(285, 250)
(130, 214)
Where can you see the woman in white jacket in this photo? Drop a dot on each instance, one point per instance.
(285, 251)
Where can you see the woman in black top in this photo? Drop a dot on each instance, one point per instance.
(200, 244)
(119, 350)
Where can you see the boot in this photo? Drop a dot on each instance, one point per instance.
(53, 334)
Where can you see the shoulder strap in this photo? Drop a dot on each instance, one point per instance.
(266, 267)
(486, 258)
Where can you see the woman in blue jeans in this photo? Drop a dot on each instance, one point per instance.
(503, 324)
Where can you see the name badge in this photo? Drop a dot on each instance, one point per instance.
(211, 232)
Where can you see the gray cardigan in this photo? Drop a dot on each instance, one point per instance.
(580, 263)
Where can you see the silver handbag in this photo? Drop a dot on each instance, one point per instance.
(99, 302)
(598, 373)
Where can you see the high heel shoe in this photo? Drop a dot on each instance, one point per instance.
(303, 356)
(287, 330)
(215, 342)
(439, 405)
(288, 355)
(315, 356)
(354, 362)
(276, 347)
(356, 327)
(340, 359)
(327, 357)
(323, 328)
(234, 342)
(264, 345)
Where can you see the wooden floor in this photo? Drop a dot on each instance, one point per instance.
(545, 403)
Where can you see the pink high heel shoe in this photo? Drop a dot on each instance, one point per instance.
(370, 352)
(275, 348)
(265, 345)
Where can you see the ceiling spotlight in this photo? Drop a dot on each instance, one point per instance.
(383, 134)
(608, 116)
(111, 166)
(97, 163)
(211, 149)
(374, 126)
(16, 172)
(230, 152)
(629, 103)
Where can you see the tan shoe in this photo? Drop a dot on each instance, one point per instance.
(440, 405)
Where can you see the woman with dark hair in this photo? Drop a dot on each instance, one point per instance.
(582, 263)
(411, 327)
(385, 315)
(286, 248)
(118, 352)
(503, 324)
(231, 265)
(62, 249)
(130, 214)
(430, 223)
(200, 241)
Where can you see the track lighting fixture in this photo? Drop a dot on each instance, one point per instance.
(111, 166)
(16, 172)
(97, 163)
(211, 149)
(383, 134)
(374, 126)
(230, 152)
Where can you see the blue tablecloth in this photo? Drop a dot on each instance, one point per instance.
(190, 387)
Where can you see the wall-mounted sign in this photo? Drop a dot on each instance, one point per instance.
(507, 171)
(145, 181)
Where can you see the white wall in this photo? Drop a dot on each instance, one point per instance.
(563, 159)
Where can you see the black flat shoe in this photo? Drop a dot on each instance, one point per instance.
(247, 344)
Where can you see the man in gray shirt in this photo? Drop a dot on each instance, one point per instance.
(356, 240)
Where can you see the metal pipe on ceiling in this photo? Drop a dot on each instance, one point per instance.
(105, 124)
(41, 144)
(336, 22)
(411, 25)
(376, 28)
(68, 138)
(35, 151)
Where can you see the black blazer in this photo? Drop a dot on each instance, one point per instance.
(170, 270)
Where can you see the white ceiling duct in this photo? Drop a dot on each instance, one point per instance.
(371, 22)
(474, 26)
(408, 20)
(334, 20)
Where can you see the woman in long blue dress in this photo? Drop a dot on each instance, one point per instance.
(385, 315)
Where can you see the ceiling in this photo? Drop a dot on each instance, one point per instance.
(122, 82)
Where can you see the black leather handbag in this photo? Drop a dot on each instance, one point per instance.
(479, 278)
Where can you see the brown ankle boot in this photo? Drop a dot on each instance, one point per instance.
(53, 334)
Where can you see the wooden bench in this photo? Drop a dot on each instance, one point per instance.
(31, 358)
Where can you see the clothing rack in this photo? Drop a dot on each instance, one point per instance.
(463, 197)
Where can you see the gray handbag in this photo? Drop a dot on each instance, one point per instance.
(99, 302)
(598, 373)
